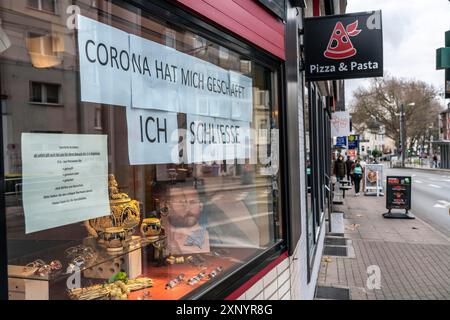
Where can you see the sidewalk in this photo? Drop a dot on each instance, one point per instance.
(413, 257)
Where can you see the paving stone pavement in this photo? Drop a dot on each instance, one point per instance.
(413, 258)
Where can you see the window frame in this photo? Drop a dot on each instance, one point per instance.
(319, 135)
(40, 7)
(44, 94)
(197, 25)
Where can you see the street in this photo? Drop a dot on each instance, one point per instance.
(430, 196)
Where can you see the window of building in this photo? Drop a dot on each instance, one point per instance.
(40, 44)
(45, 93)
(43, 5)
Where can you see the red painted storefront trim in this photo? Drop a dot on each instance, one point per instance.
(316, 8)
(237, 293)
(244, 18)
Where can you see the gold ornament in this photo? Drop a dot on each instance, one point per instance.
(125, 213)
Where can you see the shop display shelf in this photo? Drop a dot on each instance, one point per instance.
(16, 267)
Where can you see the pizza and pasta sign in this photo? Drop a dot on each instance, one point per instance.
(344, 46)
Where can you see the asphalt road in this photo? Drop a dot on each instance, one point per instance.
(430, 196)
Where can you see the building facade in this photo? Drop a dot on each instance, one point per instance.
(443, 143)
(174, 141)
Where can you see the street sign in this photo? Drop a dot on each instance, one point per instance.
(344, 46)
(398, 190)
(341, 141)
(353, 141)
(443, 58)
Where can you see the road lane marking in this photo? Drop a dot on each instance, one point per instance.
(418, 181)
(442, 204)
(434, 186)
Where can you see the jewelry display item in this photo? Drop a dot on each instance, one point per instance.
(215, 272)
(125, 213)
(55, 265)
(79, 250)
(114, 238)
(179, 260)
(197, 260)
(196, 278)
(146, 295)
(116, 290)
(44, 270)
(170, 260)
(79, 261)
(172, 283)
(151, 228)
(35, 264)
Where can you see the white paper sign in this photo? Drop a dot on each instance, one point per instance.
(65, 179)
(340, 124)
(123, 69)
(175, 81)
(214, 139)
(104, 63)
(152, 137)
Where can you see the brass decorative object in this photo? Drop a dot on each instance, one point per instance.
(151, 228)
(125, 213)
(114, 238)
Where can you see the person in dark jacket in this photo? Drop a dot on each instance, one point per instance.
(348, 165)
(340, 168)
(357, 176)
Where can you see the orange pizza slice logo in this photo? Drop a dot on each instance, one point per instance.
(340, 46)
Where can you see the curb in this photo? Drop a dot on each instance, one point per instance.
(423, 169)
(444, 236)
(433, 228)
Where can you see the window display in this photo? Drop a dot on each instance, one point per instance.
(143, 185)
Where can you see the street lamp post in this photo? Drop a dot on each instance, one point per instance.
(402, 133)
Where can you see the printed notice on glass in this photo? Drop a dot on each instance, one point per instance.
(65, 179)
(152, 137)
(122, 69)
(104, 63)
(215, 139)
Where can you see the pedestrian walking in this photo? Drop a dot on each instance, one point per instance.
(348, 166)
(339, 168)
(435, 161)
(357, 176)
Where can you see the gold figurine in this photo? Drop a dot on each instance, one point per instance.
(125, 213)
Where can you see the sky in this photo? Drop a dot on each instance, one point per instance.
(412, 31)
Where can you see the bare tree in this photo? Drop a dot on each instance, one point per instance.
(379, 105)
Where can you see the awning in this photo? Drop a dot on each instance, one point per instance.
(441, 142)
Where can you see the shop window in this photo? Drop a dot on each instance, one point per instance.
(45, 93)
(309, 172)
(43, 5)
(115, 186)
